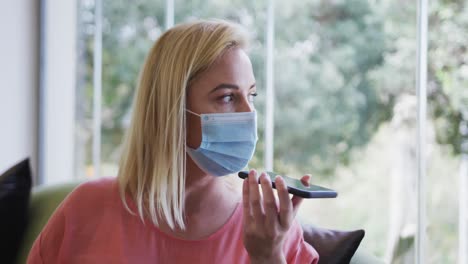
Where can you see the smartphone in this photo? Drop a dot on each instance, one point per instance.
(296, 187)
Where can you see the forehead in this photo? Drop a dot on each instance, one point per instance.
(233, 66)
(232, 58)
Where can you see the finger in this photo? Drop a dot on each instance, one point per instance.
(254, 197)
(246, 203)
(296, 203)
(306, 179)
(296, 200)
(269, 202)
(285, 206)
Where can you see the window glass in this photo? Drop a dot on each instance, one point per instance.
(128, 32)
(345, 112)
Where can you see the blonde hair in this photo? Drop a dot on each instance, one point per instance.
(152, 168)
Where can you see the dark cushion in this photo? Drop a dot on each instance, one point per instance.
(333, 246)
(15, 188)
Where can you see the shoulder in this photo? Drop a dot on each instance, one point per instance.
(75, 220)
(96, 187)
(87, 199)
(94, 193)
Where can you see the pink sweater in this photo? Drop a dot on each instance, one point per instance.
(92, 226)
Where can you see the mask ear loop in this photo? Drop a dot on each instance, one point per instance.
(192, 112)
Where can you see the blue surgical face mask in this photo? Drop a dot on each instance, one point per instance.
(228, 142)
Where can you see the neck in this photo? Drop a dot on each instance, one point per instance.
(209, 203)
(202, 189)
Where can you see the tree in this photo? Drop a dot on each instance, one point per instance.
(326, 103)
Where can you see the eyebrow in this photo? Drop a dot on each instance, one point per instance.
(228, 86)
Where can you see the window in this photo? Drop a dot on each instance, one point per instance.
(345, 106)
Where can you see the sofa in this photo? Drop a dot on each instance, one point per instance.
(45, 199)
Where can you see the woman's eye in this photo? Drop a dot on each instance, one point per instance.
(227, 98)
(252, 97)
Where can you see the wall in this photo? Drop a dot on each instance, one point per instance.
(19, 85)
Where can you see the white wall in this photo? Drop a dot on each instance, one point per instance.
(19, 85)
(58, 91)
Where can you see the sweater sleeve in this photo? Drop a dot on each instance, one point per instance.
(297, 250)
(47, 246)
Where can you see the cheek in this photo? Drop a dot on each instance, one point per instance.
(193, 131)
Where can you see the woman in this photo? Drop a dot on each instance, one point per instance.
(193, 121)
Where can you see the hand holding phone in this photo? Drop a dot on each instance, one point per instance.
(296, 187)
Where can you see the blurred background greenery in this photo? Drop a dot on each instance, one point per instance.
(345, 105)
